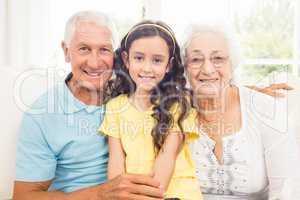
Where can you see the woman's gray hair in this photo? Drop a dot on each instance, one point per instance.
(96, 17)
(195, 30)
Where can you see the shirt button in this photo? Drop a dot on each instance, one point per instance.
(220, 191)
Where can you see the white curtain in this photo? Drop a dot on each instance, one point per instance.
(24, 41)
(24, 33)
(3, 32)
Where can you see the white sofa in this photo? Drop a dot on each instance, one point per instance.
(21, 88)
(18, 89)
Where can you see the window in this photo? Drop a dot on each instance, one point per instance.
(268, 30)
(123, 13)
(178, 14)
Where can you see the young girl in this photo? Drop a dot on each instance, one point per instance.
(144, 121)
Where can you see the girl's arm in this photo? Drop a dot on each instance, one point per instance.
(116, 161)
(165, 162)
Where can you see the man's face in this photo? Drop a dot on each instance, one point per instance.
(90, 53)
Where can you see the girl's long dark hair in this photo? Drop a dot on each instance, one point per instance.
(169, 92)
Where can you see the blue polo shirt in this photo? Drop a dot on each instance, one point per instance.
(59, 141)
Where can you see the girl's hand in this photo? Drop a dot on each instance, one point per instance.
(131, 186)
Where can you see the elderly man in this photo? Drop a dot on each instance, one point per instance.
(60, 155)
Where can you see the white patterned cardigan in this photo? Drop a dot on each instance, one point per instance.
(260, 162)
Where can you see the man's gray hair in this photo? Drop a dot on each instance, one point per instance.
(195, 30)
(96, 17)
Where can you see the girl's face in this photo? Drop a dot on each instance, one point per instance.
(208, 65)
(147, 62)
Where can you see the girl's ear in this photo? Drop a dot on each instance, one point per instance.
(125, 59)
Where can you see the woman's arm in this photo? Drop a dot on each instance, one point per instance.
(273, 120)
(282, 162)
(165, 162)
(116, 161)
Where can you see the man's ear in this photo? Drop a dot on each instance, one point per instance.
(66, 51)
(125, 59)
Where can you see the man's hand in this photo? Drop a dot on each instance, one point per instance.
(131, 186)
(125, 187)
(272, 90)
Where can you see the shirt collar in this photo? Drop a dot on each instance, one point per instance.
(69, 103)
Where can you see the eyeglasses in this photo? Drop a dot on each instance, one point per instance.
(197, 61)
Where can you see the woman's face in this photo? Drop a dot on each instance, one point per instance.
(208, 64)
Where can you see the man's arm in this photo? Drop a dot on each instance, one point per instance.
(35, 190)
(127, 186)
(272, 90)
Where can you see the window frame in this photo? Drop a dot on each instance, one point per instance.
(153, 9)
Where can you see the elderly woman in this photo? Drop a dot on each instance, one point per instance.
(242, 153)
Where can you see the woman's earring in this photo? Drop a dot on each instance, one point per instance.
(231, 82)
(113, 75)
